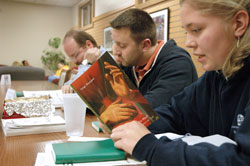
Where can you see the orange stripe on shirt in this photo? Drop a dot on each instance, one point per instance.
(141, 71)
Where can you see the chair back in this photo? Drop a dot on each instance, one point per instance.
(23, 72)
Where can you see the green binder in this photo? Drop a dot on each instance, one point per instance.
(90, 151)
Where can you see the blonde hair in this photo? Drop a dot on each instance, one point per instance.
(226, 10)
(16, 63)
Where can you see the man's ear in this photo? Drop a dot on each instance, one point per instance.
(240, 23)
(89, 44)
(146, 44)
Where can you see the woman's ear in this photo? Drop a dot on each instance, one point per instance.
(240, 22)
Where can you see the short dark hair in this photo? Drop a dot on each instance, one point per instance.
(80, 37)
(139, 22)
(62, 61)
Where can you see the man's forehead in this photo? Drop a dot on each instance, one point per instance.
(122, 36)
(71, 43)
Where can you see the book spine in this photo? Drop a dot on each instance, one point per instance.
(96, 126)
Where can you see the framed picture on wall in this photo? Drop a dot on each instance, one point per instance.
(108, 38)
(161, 20)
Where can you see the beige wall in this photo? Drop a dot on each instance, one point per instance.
(25, 30)
(102, 6)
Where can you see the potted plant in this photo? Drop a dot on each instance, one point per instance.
(52, 56)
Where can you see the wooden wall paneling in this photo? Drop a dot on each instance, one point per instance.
(175, 27)
(175, 19)
(101, 22)
(149, 3)
(176, 31)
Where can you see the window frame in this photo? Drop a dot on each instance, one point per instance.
(82, 5)
(146, 3)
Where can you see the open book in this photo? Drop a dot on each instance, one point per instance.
(111, 96)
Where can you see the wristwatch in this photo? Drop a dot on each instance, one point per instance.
(85, 62)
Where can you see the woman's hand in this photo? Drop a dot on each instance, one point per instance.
(126, 136)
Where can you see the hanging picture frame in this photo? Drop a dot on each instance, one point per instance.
(108, 39)
(161, 20)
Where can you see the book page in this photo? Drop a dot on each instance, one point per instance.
(26, 126)
(216, 139)
(10, 94)
(33, 122)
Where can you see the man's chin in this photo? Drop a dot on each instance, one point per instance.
(122, 65)
(119, 63)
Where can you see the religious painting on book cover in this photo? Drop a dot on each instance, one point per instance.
(111, 95)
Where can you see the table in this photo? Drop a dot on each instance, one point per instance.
(22, 150)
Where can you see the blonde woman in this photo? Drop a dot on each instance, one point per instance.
(217, 105)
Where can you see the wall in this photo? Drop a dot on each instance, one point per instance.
(25, 30)
(176, 31)
(102, 7)
(175, 28)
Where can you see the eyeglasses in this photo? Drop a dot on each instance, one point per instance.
(80, 50)
(74, 57)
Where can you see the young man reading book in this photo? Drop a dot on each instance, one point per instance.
(159, 69)
(110, 94)
(126, 102)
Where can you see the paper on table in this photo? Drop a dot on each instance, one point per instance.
(216, 139)
(24, 126)
(33, 122)
(10, 94)
(78, 139)
(56, 95)
(45, 159)
(171, 136)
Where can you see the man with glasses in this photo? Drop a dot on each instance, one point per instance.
(82, 50)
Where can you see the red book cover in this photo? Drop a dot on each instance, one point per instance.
(111, 96)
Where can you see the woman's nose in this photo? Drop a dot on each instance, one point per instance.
(190, 42)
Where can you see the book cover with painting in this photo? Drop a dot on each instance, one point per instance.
(111, 96)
